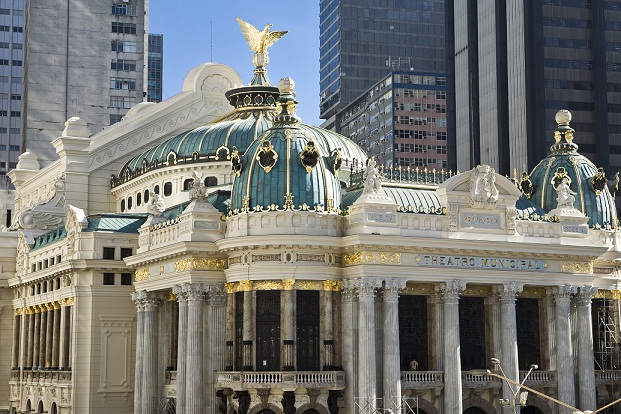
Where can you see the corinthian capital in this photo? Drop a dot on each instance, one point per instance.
(585, 294)
(179, 293)
(139, 298)
(564, 292)
(507, 291)
(392, 288)
(194, 291)
(366, 287)
(347, 290)
(451, 289)
(217, 295)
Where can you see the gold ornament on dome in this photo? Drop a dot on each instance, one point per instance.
(236, 164)
(267, 157)
(577, 267)
(310, 156)
(142, 274)
(259, 41)
(372, 258)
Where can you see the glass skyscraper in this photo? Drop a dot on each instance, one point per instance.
(518, 62)
(362, 41)
(155, 63)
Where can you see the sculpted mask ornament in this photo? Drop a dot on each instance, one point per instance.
(483, 191)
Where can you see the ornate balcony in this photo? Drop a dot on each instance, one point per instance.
(42, 377)
(539, 379)
(334, 380)
(469, 380)
(422, 380)
(607, 377)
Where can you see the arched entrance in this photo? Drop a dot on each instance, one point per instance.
(474, 410)
(40, 409)
(53, 409)
(530, 409)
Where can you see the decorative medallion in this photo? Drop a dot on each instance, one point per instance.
(560, 173)
(310, 156)
(526, 185)
(223, 153)
(599, 181)
(267, 157)
(236, 164)
(337, 160)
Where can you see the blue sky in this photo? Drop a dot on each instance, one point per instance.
(186, 26)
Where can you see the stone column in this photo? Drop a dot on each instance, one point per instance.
(391, 365)
(327, 327)
(16, 342)
(287, 324)
(49, 336)
(42, 336)
(550, 327)
(182, 333)
(248, 328)
(508, 331)
(230, 327)
(151, 303)
(62, 344)
(56, 336)
(217, 339)
(31, 334)
(437, 332)
(69, 339)
(564, 351)
(452, 359)
(37, 337)
(194, 373)
(367, 375)
(586, 369)
(138, 297)
(347, 352)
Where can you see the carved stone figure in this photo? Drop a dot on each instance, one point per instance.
(244, 401)
(198, 189)
(157, 206)
(288, 402)
(565, 196)
(372, 179)
(483, 184)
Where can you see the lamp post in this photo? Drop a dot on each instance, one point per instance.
(547, 397)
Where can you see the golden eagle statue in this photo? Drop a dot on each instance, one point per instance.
(259, 41)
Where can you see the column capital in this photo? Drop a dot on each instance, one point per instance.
(217, 295)
(347, 290)
(153, 300)
(367, 286)
(194, 291)
(451, 290)
(507, 291)
(392, 288)
(180, 293)
(585, 294)
(564, 292)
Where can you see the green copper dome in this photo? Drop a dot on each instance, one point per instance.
(591, 189)
(292, 165)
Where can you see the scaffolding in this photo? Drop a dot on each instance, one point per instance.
(608, 352)
(403, 405)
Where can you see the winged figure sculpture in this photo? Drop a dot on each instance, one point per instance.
(259, 41)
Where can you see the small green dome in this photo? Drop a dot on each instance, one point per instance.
(292, 165)
(591, 187)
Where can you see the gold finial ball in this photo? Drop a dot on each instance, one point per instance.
(563, 117)
(286, 86)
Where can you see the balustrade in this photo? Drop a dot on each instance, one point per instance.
(280, 379)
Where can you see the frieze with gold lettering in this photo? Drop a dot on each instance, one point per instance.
(472, 262)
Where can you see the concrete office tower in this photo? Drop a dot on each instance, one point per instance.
(518, 62)
(155, 66)
(362, 41)
(83, 59)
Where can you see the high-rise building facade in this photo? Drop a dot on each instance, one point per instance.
(517, 63)
(155, 67)
(84, 59)
(401, 121)
(362, 41)
(11, 75)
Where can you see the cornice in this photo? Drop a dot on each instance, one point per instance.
(277, 242)
(167, 252)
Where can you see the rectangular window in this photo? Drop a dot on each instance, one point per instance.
(124, 65)
(126, 279)
(108, 278)
(123, 10)
(123, 28)
(114, 118)
(108, 253)
(124, 102)
(123, 84)
(126, 252)
(121, 46)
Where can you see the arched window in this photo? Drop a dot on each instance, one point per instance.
(40, 410)
(167, 189)
(211, 181)
(146, 196)
(130, 203)
(138, 199)
(122, 206)
(156, 189)
(187, 184)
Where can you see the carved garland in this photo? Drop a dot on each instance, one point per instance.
(372, 258)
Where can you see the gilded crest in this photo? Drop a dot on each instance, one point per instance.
(267, 157)
(310, 156)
